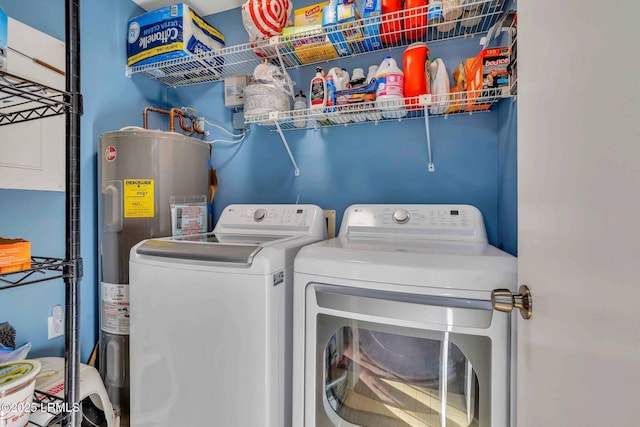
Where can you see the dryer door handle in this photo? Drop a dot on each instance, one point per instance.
(504, 300)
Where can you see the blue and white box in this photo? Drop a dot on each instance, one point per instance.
(168, 33)
(371, 11)
(330, 26)
(3, 39)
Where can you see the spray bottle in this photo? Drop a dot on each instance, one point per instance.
(331, 95)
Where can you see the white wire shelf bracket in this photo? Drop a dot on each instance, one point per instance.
(375, 112)
(358, 37)
(397, 109)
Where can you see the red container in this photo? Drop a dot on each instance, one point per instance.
(391, 28)
(417, 78)
(415, 21)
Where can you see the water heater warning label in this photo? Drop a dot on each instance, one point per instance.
(115, 308)
(139, 198)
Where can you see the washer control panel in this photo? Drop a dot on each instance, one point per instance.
(450, 222)
(291, 218)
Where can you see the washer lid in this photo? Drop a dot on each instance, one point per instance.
(232, 238)
(16, 374)
(197, 251)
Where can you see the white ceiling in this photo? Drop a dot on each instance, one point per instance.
(203, 7)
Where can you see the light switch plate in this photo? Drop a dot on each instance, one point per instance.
(55, 323)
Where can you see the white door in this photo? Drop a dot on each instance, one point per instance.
(579, 212)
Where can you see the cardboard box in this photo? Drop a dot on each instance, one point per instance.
(3, 39)
(15, 255)
(371, 11)
(309, 43)
(330, 26)
(347, 15)
(310, 15)
(168, 33)
(486, 75)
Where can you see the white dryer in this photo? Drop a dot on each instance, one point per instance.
(211, 320)
(394, 326)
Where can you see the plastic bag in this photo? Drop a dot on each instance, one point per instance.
(16, 355)
(265, 18)
(271, 90)
(439, 87)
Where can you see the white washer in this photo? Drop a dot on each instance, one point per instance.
(394, 326)
(211, 320)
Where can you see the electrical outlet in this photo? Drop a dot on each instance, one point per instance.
(55, 323)
(237, 119)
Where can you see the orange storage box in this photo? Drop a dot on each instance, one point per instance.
(487, 73)
(15, 255)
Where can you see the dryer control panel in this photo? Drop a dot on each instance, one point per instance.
(443, 222)
(292, 219)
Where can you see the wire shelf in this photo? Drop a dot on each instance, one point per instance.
(42, 269)
(52, 410)
(381, 111)
(358, 37)
(23, 100)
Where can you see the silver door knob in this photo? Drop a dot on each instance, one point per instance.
(504, 300)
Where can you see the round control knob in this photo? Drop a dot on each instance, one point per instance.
(259, 215)
(400, 216)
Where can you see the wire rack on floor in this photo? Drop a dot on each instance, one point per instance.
(47, 410)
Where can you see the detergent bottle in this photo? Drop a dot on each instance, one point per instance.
(417, 73)
(415, 21)
(318, 92)
(391, 22)
(439, 87)
(390, 89)
(340, 77)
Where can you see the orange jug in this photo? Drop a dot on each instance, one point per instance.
(415, 21)
(417, 76)
(391, 28)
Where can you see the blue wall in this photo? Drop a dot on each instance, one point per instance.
(508, 176)
(474, 156)
(340, 166)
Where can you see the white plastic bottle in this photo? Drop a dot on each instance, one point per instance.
(371, 74)
(358, 80)
(340, 80)
(340, 77)
(300, 104)
(390, 89)
(374, 115)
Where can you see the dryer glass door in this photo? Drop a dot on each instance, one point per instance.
(377, 376)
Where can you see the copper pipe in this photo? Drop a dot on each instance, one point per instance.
(156, 110)
(173, 113)
(181, 114)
